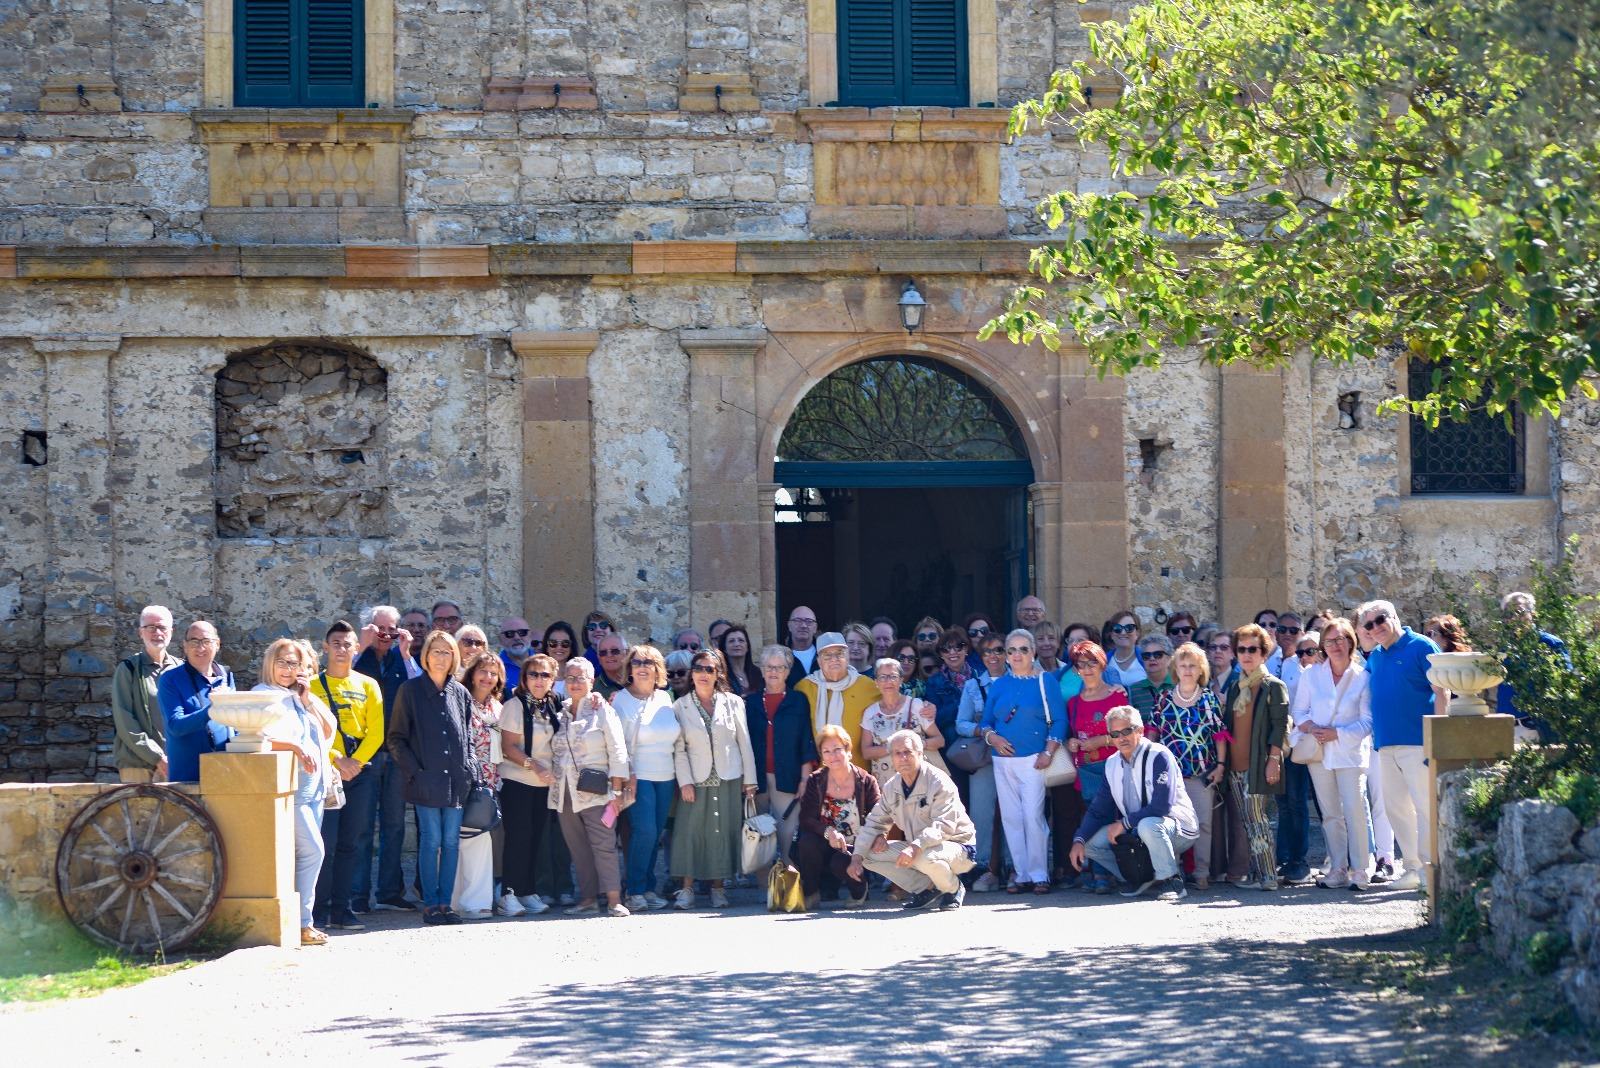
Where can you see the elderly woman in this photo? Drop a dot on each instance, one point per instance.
(779, 720)
(678, 672)
(1024, 723)
(836, 800)
(1124, 666)
(892, 712)
(305, 729)
(903, 651)
(1255, 712)
(591, 770)
(1333, 709)
(1088, 739)
(981, 783)
(1047, 640)
(561, 643)
(430, 743)
(528, 723)
(471, 640)
(484, 676)
(715, 763)
(1188, 721)
(859, 644)
(734, 642)
(651, 729)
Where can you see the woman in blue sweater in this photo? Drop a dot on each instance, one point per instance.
(1024, 723)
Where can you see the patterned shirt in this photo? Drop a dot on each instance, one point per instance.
(1190, 733)
(486, 719)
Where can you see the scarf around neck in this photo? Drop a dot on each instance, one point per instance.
(1244, 700)
(830, 698)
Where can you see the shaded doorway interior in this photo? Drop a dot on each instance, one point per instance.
(903, 553)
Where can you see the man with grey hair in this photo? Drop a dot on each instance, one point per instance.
(1144, 796)
(446, 617)
(514, 634)
(940, 839)
(1518, 609)
(139, 752)
(688, 639)
(1401, 696)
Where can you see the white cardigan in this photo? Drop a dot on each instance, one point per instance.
(1316, 700)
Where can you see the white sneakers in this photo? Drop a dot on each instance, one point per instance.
(636, 902)
(653, 901)
(683, 900)
(986, 884)
(534, 904)
(1411, 880)
(719, 898)
(508, 905)
(1337, 879)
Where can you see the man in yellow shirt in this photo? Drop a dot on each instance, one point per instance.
(838, 694)
(357, 703)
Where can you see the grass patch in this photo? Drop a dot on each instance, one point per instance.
(61, 963)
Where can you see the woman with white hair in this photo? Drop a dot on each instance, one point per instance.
(591, 772)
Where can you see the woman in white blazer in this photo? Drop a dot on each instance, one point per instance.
(714, 764)
(1333, 708)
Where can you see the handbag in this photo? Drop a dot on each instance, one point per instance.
(1306, 749)
(784, 892)
(481, 812)
(1133, 859)
(968, 754)
(593, 781)
(1061, 770)
(759, 844)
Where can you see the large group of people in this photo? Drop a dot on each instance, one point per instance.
(1154, 758)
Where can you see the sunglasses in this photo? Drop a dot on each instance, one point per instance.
(1086, 664)
(1123, 733)
(1124, 628)
(1303, 653)
(1180, 630)
(907, 658)
(514, 634)
(1220, 647)
(474, 643)
(535, 643)
(952, 648)
(597, 626)
(928, 637)
(1376, 621)
(558, 643)
(634, 661)
(541, 674)
(609, 652)
(690, 647)
(1154, 654)
(977, 632)
(1018, 650)
(677, 674)
(994, 652)
(1252, 649)
(704, 669)
(1281, 629)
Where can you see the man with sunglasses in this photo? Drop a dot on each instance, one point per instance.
(1143, 795)
(514, 648)
(612, 653)
(1401, 696)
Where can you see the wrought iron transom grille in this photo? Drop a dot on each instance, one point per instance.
(1474, 455)
(900, 409)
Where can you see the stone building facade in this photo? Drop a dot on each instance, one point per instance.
(522, 322)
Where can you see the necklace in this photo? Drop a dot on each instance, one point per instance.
(1179, 699)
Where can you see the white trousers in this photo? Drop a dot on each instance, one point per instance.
(1020, 788)
(939, 866)
(1405, 796)
(1344, 816)
(1382, 830)
(474, 890)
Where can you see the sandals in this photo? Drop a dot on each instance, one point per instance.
(1014, 887)
(1041, 888)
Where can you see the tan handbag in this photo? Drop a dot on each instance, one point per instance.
(1061, 772)
(784, 892)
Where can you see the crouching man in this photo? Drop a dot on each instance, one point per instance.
(1143, 795)
(940, 840)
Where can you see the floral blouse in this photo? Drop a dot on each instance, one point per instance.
(877, 725)
(485, 734)
(1190, 733)
(840, 814)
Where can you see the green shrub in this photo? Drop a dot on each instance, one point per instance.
(1578, 791)
(1545, 950)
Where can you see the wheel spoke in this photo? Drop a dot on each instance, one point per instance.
(127, 821)
(155, 920)
(174, 902)
(97, 884)
(155, 824)
(98, 858)
(186, 854)
(112, 842)
(111, 899)
(182, 880)
(127, 918)
(159, 846)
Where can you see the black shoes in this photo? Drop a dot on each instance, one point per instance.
(345, 920)
(950, 902)
(396, 904)
(922, 899)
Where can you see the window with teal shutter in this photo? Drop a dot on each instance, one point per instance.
(299, 53)
(902, 52)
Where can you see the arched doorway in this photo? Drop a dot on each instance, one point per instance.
(903, 493)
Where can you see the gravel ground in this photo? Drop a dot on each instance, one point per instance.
(1224, 978)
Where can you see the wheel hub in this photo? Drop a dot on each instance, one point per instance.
(138, 868)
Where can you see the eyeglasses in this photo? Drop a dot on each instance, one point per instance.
(1124, 628)
(930, 636)
(1281, 629)
(473, 643)
(1332, 638)
(636, 662)
(1123, 733)
(1154, 654)
(1018, 650)
(446, 619)
(200, 641)
(514, 633)
(572, 678)
(1086, 663)
(802, 621)
(679, 673)
(1220, 647)
(1180, 630)
(558, 643)
(889, 676)
(834, 653)
(157, 628)
(1252, 649)
(1303, 653)
(597, 625)
(704, 669)
(977, 632)
(1376, 621)
(541, 674)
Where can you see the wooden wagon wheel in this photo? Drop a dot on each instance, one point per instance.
(140, 869)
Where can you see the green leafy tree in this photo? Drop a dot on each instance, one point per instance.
(1337, 176)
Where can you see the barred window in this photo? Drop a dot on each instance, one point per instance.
(1477, 454)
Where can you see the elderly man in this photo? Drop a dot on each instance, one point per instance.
(688, 639)
(139, 752)
(1401, 696)
(883, 636)
(837, 693)
(1517, 608)
(940, 840)
(1143, 795)
(183, 694)
(802, 642)
(386, 641)
(514, 634)
(612, 653)
(1030, 613)
(447, 617)
(415, 623)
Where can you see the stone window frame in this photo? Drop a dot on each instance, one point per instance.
(1536, 471)
(378, 34)
(822, 41)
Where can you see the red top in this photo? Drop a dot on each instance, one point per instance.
(1086, 718)
(772, 701)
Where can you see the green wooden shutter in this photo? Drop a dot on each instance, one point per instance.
(902, 52)
(299, 53)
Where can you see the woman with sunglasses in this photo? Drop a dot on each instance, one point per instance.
(1255, 712)
(715, 764)
(1124, 650)
(903, 651)
(1024, 723)
(555, 863)
(1181, 628)
(927, 634)
(528, 722)
(678, 672)
(983, 804)
(596, 625)
(651, 729)
(895, 711)
(1333, 707)
(561, 645)
(977, 627)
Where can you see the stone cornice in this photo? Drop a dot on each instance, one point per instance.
(904, 124)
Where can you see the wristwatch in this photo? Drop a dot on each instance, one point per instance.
(527, 763)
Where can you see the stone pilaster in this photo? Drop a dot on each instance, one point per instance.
(558, 559)
(725, 517)
(1252, 531)
(250, 797)
(1045, 582)
(717, 42)
(1094, 537)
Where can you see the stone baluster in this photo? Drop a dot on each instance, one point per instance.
(327, 177)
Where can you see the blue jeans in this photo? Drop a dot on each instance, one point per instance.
(1294, 817)
(1161, 836)
(647, 818)
(390, 832)
(308, 854)
(438, 851)
(347, 837)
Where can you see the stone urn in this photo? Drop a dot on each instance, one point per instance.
(247, 712)
(1465, 675)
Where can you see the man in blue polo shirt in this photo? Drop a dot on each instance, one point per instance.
(1518, 609)
(1401, 696)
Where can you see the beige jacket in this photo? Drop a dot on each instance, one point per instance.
(590, 737)
(725, 748)
(929, 815)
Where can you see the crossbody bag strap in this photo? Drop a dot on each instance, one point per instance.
(1045, 698)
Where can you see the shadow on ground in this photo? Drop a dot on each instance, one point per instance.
(1227, 1003)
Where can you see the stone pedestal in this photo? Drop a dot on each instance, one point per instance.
(1450, 743)
(251, 798)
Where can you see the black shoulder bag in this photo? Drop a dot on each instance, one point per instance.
(1133, 856)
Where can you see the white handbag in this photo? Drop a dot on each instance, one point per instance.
(759, 839)
(1061, 772)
